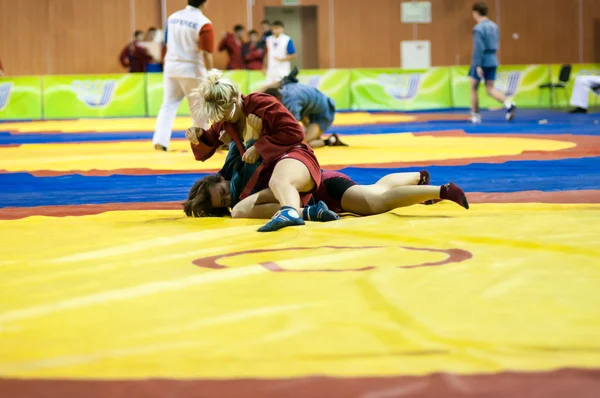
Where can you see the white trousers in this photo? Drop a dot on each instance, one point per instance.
(175, 88)
(581, 90)
(277, 72)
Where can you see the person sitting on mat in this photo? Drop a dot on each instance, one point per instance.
(309, 106)
(214, 195)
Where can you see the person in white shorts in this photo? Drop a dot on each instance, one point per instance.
(581, 90)
(189, 38)
(280, 52)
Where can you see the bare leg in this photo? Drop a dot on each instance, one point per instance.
(245, 207)
(492, 92)
(474, 95)
(316, 143)
(264, 211)
(289, 178)
(313, 132)
(399, 180)
(366, 200)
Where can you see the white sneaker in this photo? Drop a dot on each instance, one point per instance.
(475, 118)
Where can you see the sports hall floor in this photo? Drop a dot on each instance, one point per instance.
(108, 290)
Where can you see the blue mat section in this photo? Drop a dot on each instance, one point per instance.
(526, 123)
(25, 190)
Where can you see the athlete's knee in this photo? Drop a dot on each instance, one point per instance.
(239, 212)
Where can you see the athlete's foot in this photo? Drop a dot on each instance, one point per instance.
(475, 118)
(511, 109)
(286, 217)
(319, 212)
(159, 147)
(454, 193)
(334, 140)
(578, 110)
(425, 177)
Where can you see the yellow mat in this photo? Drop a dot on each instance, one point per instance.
(181, 123)
(116, 295)
(368, 149)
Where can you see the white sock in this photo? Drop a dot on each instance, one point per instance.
(508, 103)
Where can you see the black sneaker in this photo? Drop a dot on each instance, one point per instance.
(292, 77)
(578, 110)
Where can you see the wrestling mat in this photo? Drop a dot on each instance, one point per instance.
(108, 290)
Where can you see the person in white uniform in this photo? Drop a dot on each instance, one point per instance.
(280, 52)
(581, 90)
(189, 38)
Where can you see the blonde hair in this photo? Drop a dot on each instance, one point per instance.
(214, 97)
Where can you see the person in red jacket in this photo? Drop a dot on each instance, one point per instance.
(134, 56)
(252, 53)
(232, 43)
(289, 168)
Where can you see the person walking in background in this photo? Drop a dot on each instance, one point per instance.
(280, 52)
(190, 45)
(135, 56)
(484, 62)
(581, 91)
(252, 53)
(232, 43)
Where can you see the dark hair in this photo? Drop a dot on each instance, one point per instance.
(199, 204)
(196, 3)
(278, 23)
(252, 32)
(137, 32)
(238, 27)
(481, 8)
(152, 29)
(274, 92)
(265, 22)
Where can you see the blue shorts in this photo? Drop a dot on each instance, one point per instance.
(324, 119)
(489, 73)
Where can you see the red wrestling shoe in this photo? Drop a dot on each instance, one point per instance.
(453, 192)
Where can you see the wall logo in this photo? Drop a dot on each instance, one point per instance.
(96, 93)
(401, 87)
(589, 72)
(509, 82)
(313, 81)
(5, 91)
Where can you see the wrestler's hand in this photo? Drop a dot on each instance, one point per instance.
(255, 122)
(224, 137)
(251, 155)
(193, 134)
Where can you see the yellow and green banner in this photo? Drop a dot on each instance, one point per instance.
(519, 82)
(335, 83)
(80, 96)
(398, 89)
(139, 95)
(21, 98)
(155, 87)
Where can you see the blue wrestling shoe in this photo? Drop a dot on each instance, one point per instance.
(319, 212)
(286, 217)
